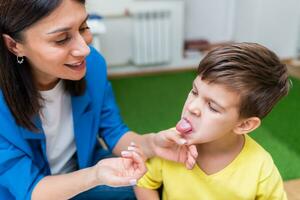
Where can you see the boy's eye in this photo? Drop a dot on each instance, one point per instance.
(194, 92)
(212, 108)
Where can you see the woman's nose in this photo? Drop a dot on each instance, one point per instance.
(81, 49)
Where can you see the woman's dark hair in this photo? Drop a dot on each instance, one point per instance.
(16, 81)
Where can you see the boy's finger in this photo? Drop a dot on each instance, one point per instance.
(126, 154)
(137, 150)
(136, 158)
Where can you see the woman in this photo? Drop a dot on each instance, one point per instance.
(55, 100)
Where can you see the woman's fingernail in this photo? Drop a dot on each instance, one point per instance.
(124, 153)
(130, 148)
(182, 141)
(132, 182)
(132, 143)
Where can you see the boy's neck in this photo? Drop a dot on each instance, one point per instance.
(216, 155)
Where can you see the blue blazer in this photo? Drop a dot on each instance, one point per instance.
(23, 160)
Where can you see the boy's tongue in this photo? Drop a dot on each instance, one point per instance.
(183, 126)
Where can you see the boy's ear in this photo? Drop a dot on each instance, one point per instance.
(247, 125)
(12, 45)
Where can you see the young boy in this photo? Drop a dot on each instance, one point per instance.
(237, 85)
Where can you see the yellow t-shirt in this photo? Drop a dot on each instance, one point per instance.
(251, 175)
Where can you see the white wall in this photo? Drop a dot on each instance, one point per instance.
(273, 23)
(108, 7)
(116, 44)
(209, 19)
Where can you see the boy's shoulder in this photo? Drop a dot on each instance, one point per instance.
(158, 162)
(157, 165)
(256, 156)
(253, 148)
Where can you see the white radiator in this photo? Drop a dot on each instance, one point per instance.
(151, 37)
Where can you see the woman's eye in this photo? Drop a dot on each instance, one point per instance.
(84, 29)
(63, 41)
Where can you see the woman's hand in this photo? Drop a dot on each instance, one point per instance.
(122, 171)
(169, 144)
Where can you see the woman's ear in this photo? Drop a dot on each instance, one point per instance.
(12, 45)
(247, 125)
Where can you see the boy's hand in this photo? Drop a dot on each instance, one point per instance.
(123, 171)
(170, 145)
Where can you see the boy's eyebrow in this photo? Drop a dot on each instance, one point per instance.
(64, 29)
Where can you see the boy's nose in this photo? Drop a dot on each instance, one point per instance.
(195, 108)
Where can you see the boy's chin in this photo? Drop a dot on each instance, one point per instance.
(192, 140)
(198, 140)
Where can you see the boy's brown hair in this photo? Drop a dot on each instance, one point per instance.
(250, 69)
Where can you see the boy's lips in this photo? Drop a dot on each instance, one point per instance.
(184, 126)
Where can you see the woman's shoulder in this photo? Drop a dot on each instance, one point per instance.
(95, 63)
(96, 68)
(6, 118)
(96, 75)
(4, 110)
